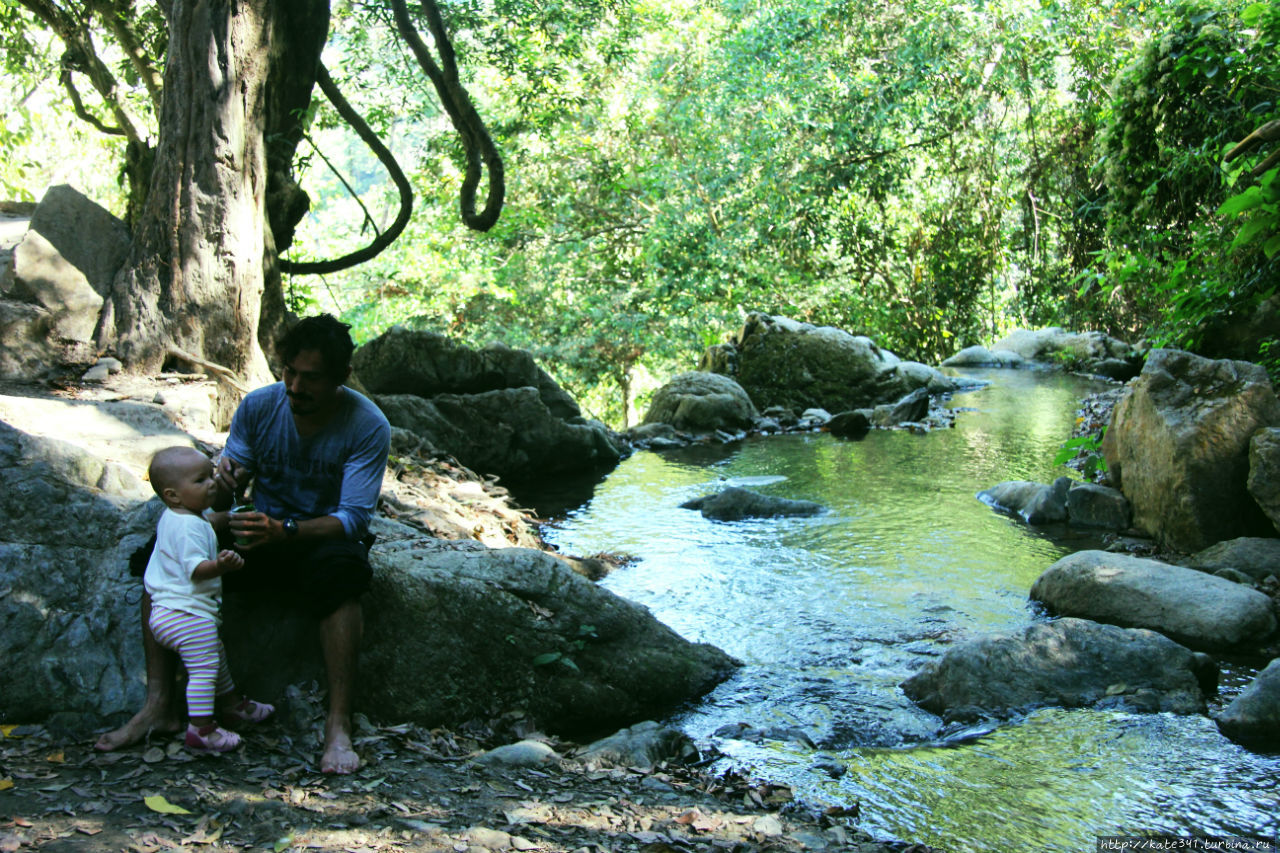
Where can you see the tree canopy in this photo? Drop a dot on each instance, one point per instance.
(930, 174)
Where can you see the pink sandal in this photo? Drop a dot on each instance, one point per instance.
(247, 712)
(211, 738)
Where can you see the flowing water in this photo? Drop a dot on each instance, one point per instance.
(830, 614)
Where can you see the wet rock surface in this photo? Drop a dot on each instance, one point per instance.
(1254, 715)
(1069, 663)
(1190, 607)
(735, 503)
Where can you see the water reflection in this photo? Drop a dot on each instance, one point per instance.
(831, 613)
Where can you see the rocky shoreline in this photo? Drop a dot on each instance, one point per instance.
(418, 790)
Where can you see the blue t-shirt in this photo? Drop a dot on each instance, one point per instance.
(337, 471)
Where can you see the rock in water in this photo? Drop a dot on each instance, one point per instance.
(734, 504)
(1253, 717)
(1093, 505)
(782, 362)
(1092, 352)
(1178, 445)
(702, 402)
(912, 408)
(854, 424)
(980, 356)
(1072, 663)
(1264, 472)
(1191, 607)
(1257, 557)
(1034, 503)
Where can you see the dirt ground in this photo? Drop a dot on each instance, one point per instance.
(417, 790)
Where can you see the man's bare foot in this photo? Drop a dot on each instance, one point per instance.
(138, 729)
(339, 755)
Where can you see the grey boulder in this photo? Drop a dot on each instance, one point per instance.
(1253, 717)
(702, 402)
(1093, 352)
(508, 432)
(980, 356)
(453, 627)
(1094, 505)
(1034, 503)
(423, 363)
(1178, 446)
(735, 503)
(1191, 607)
(1071, 663)
(853, 424)
(1264, 472)
(783, 362)
(912, 408)
(1258, 557)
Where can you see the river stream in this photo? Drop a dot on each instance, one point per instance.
(830, 614)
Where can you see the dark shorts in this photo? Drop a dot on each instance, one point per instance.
(317, 577)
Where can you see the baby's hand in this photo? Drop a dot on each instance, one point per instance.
(230, 561)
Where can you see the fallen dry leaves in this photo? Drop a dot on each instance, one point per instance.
(416, 792)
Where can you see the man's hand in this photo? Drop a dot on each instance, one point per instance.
(229, 561)
(232, 477)
(254, 529)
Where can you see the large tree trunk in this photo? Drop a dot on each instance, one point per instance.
(195, 279)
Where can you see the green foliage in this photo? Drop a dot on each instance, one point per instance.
(1088, 450)
(930, 174)
(1170, 267)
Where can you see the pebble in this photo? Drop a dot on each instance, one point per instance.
(97, 373)
(768, 826)
(526, 753)
(486, 838)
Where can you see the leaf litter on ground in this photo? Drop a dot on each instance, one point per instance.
(417, 791)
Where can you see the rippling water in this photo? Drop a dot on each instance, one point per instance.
(831, 613)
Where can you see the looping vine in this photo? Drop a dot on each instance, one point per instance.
(481, 153)
(384, 155)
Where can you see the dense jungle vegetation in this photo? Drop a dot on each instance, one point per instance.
(928, 173)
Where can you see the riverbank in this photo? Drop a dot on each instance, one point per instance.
(417, 790)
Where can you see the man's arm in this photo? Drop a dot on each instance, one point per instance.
(362, 476)
(260, 529)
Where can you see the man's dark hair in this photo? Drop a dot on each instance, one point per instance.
(325, 333)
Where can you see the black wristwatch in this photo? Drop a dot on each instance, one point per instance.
(290, 527)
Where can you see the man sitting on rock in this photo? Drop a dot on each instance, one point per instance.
(315, 451)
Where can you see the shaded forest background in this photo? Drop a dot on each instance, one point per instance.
(931, 174)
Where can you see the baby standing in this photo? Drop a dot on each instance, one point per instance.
(184, 580)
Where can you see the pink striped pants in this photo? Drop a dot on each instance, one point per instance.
(195, 639)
